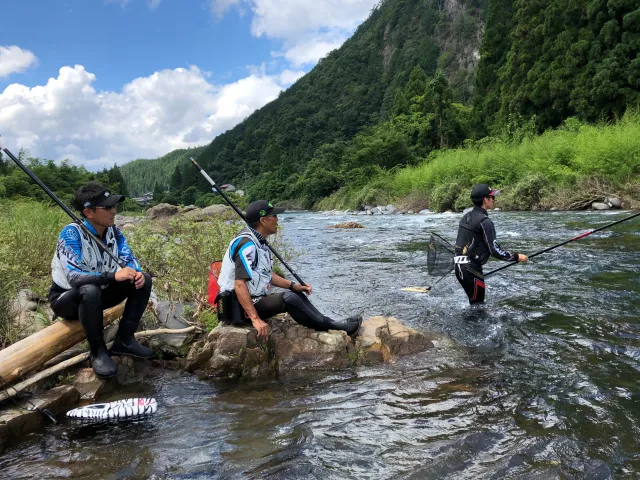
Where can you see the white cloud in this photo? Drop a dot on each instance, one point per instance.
(308, 29)
(68, 118)
(153, 4)
(219, 7)
(289, 77)
(309, 50)
(294, 18)
(14, 59)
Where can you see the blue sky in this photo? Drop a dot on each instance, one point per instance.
(107, 81)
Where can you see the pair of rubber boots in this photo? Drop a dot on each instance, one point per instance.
(124, 344)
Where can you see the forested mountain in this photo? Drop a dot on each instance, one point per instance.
(426, 75)
(145, 175)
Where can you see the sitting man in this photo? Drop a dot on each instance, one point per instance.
(247, 274)
(86, 280)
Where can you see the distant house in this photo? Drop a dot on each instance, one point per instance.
(144, 200)
(227, 187)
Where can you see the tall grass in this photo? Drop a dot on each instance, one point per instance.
(28, 236)
(557, 159)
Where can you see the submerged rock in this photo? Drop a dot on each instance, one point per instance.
(18, 420)
(347, 225)
(231, 352)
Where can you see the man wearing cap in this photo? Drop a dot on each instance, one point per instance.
(476, 242)
(247, 275)
(86, 280)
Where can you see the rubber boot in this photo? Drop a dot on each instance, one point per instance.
(101, 361)
(131, 348)
(125, 342)
(350, 325)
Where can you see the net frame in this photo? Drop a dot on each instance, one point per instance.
(440, 255)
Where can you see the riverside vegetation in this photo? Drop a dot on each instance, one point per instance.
(177, 252)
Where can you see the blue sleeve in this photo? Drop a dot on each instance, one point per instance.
(489, 235)
(124, 251)
(69, 251)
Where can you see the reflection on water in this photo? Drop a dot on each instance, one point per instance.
(541, 382)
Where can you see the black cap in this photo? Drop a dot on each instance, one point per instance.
(482, 190)
(103, 198)
(260, 208)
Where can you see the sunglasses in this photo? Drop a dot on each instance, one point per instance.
(112, 207)
(491, 197)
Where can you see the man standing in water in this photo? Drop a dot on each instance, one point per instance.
(476, 242)
(247, 275)
(86, 280)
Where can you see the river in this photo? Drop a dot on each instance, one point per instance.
(543, 382)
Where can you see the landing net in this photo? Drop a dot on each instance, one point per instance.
(439, 256)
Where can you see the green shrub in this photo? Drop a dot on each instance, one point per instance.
(444, 197)
(526, 194)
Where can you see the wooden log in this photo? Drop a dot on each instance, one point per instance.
(32, 352)
(15, 389)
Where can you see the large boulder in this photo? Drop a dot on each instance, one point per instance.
(162, 210)
(600, 206)
(231, 351)
(380, 339)
(170, 345)
(206, 213)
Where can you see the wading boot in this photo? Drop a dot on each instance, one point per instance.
(131, 348)
(99, 357)
(101, 361)
(350, 325)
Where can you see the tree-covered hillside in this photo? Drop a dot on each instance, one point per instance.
(353, 87)
(145, 175)
(420, 76)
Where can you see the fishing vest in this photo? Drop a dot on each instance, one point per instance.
(261, 267)
(470, 241)
(92, 258)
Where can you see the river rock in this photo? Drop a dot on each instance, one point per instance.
(614, 202)
(170, 315)
(380, 339)
(206, 213)
(16, 420)
(600, 206)
(390, 208)
(232, 352)
(347, 225)
(426, 211)
(162, 210)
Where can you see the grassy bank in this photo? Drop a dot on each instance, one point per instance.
(176, 252)
(562, 168)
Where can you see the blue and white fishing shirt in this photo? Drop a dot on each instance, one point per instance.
(79, 261)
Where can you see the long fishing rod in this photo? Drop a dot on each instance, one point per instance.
(215, 188)
(582, 235)
(65, 208)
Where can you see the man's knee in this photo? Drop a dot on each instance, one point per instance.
(90, 294)
(148, 281)
(291, 298)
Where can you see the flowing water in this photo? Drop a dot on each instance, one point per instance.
(541, 383)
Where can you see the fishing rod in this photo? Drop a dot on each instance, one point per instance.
(53, 196)
(582, 235)
(439, 246)
(215, 188)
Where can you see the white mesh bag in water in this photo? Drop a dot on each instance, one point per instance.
(130, 407)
